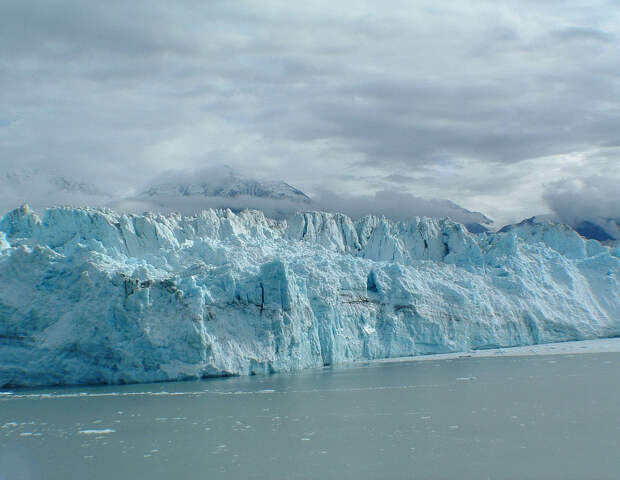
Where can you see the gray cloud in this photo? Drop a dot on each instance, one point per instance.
(590, 204)
(589, 198)
(396, 178)
(582, 33)
(454, 100)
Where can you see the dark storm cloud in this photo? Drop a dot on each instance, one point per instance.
(346, 96)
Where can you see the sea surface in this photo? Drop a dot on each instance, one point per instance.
(496, 417)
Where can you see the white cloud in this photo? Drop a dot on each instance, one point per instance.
(594, 197)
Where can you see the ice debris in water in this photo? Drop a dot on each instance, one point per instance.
(96, 432)
(94, 296)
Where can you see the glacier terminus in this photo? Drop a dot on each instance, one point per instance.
(93, 296)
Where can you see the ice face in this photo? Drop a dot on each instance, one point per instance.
(93, 296)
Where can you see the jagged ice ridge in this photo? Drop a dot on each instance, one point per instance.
(93, 296)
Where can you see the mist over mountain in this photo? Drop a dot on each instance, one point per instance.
(221, 182)
(217, 187)
(224, 187)
(42, 188)
(398, 205)
(605, 233)
(591, 205)
(190, 191)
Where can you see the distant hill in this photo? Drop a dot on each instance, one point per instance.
(224, 182)
(603, 230)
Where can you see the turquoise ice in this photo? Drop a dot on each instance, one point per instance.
(95, 296)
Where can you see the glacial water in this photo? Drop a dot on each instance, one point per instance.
(530, 417)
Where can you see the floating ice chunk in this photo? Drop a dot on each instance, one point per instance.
(102, 431)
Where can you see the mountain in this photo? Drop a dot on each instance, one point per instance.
(589, 229)
(190, 192)
(526, 223)
(223, 182)
(229, 187)
(94, 296)
(475, 222)
(223, 187)
(603, 230)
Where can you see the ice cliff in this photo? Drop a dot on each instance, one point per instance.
(93, 296)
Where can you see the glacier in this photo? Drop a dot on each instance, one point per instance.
(93, 296)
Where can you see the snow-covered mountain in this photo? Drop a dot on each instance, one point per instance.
(223, 182)
(190, 192)
(94, 296)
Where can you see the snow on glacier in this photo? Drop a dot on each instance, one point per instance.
(94, 296)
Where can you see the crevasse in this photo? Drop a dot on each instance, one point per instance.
(94, 296)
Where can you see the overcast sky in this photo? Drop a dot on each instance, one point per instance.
(505, 107)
